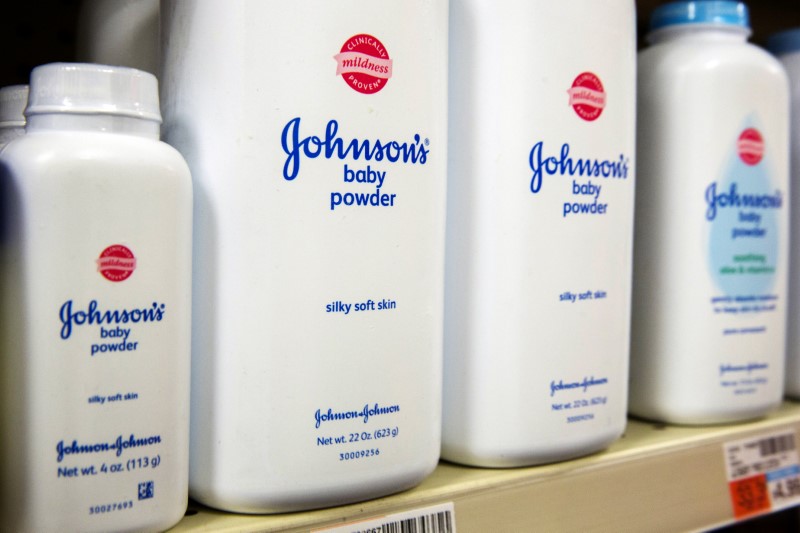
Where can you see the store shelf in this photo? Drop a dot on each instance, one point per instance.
(656, 477)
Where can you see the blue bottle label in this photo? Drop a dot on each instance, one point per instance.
(743, 212)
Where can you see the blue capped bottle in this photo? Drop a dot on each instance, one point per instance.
(786, 47)
(711, 248)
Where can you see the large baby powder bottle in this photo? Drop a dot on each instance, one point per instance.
(539, 229)
(95, 263)
(119, 32)
(13, 100)
(786, 46)
(711, 250)
(316, 135)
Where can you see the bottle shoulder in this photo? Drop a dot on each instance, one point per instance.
(741, 73)
(67, 149)
(697, 56)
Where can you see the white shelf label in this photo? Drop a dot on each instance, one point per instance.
(763, 473)
(433, 519)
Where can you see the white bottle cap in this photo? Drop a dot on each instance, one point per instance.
(86, 88)
(13, 100)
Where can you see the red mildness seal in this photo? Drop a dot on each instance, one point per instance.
(116, 263)
(364, 64)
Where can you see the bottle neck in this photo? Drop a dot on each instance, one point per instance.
(699, 32)
(94, 123)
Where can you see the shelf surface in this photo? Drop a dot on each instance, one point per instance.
(656, 477)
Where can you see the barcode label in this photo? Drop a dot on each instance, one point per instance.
(774, 445)
(441, 522)
(763, 473)
(434, 519)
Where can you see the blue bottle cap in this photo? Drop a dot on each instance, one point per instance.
(708, 12)
(784, 42)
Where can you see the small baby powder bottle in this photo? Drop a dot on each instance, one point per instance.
(12, 106)
(539, 229)
(95, 277)
(786, 46)
(712, 207)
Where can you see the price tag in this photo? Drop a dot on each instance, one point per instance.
(434, 519)
(763, 473)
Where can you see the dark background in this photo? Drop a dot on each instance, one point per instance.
(33, 32)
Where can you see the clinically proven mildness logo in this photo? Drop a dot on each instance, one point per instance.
(587, 96)
(364, 64)
(116, 263)
(750, 146)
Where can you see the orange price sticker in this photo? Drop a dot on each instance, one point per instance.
(763, 473)
(749, 496)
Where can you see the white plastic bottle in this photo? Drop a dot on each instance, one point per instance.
(711, 250)
(12, 106)
(95, 264)
(316, 135)
(119, 32)
(539, 230)
(786, 46)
